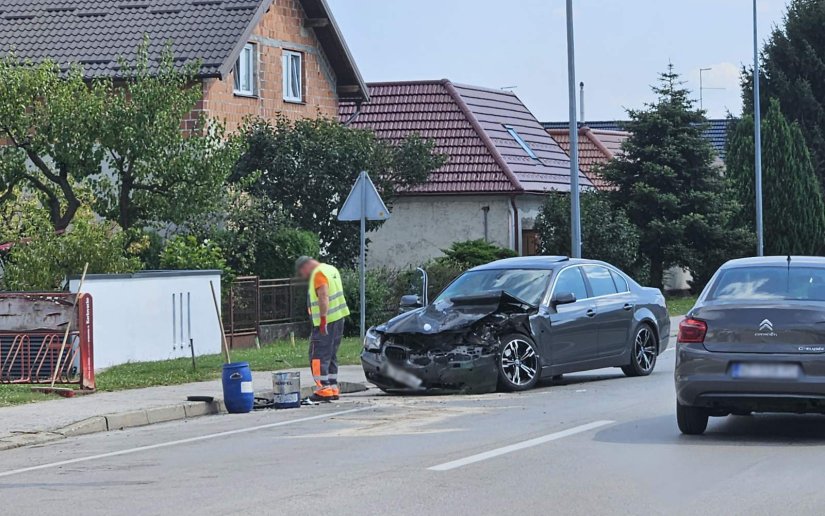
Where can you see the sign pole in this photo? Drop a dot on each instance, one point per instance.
(363, 203)
(363, 288)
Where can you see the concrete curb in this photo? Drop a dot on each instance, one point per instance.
(119, 421)
(137, 418)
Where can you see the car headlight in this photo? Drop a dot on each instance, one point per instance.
(372, 340)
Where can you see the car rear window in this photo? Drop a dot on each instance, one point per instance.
(770, 283)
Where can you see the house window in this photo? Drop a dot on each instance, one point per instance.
(245, 71)
(293, 76)
(517, 137)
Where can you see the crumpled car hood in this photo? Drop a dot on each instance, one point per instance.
(458, 313)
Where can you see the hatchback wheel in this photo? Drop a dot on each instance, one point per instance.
(519, 365)
(643, 351)
(691, 420)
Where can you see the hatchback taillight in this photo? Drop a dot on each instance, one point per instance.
(692, 331)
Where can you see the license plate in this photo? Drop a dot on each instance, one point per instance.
(766, 371)
(401, 376)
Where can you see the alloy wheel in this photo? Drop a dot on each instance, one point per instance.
(644, 349)
(519, 362)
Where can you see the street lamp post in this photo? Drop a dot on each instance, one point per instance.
(757, 140)
(575, 211)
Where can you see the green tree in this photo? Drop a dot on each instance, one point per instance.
(255, 237)
(307, 167)
(51, 122)
(793, 72)
(42, 258)
(163, 163)
(668, 185)
(607, 234)
(166, 163)
(794, 210)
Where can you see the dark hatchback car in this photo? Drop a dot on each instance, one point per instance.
(754, 342)
(510, 323)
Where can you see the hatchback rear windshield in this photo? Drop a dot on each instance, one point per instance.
(527, 285)
(770, 283)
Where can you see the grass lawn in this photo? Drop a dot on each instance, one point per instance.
(280, 355)
(680, 305)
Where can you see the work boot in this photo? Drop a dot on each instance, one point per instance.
(336, 393)
(317, 398)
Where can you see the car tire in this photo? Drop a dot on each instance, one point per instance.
(691, 420)
(519, 365)
(644, 349)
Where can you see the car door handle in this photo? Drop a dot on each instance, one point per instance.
(591, 313)
(628, 306)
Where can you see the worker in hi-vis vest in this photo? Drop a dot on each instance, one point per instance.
(328, 308)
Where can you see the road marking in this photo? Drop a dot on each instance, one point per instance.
(178, 442)
(518, 446)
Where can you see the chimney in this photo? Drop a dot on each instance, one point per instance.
(581, 105)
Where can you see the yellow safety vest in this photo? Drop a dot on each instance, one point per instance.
(337, 304)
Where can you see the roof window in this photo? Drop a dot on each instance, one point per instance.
(524, 145)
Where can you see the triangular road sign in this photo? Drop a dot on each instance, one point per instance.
(363, 201)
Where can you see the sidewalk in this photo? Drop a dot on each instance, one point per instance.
(166, 402)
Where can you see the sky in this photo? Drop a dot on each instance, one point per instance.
(621, 47)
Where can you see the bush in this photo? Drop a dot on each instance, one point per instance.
(607, 234)
(41, 259)
(472, 253)
(187, 253)
(440, 273)
(276, 253)
(380, 297)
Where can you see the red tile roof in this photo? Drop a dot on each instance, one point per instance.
(596, 148)
(468, 126)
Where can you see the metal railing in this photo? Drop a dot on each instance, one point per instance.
(283, 301)
(31, 340)
(252, 302)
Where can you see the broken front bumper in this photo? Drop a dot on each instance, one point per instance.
(399, 369)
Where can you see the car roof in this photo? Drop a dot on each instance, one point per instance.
(763, 261)
(534, 262)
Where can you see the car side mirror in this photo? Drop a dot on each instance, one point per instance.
(563, 298)
(410, 302)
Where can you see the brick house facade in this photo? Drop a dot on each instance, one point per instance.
(258, 57)
(282, 28)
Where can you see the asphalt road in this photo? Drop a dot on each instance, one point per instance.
(594, 443)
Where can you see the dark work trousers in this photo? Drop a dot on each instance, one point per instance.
(323, 358)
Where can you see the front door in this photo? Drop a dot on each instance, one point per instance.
(570, 336)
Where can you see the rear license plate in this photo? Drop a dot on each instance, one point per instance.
(766, 371)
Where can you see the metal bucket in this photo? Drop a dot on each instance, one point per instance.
(286, 387)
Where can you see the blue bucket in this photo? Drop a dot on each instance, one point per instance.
(238, 393)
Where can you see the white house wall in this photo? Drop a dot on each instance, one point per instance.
(152, 315)
(421, 226)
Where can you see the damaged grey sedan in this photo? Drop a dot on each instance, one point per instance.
(508, 324)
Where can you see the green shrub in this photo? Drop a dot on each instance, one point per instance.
(276, 252)
(472, 253)
(380, 297)
(41, 259)
(187, 253)
(440, 273)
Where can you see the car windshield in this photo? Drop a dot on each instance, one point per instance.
(770, 283)
(527, 285)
